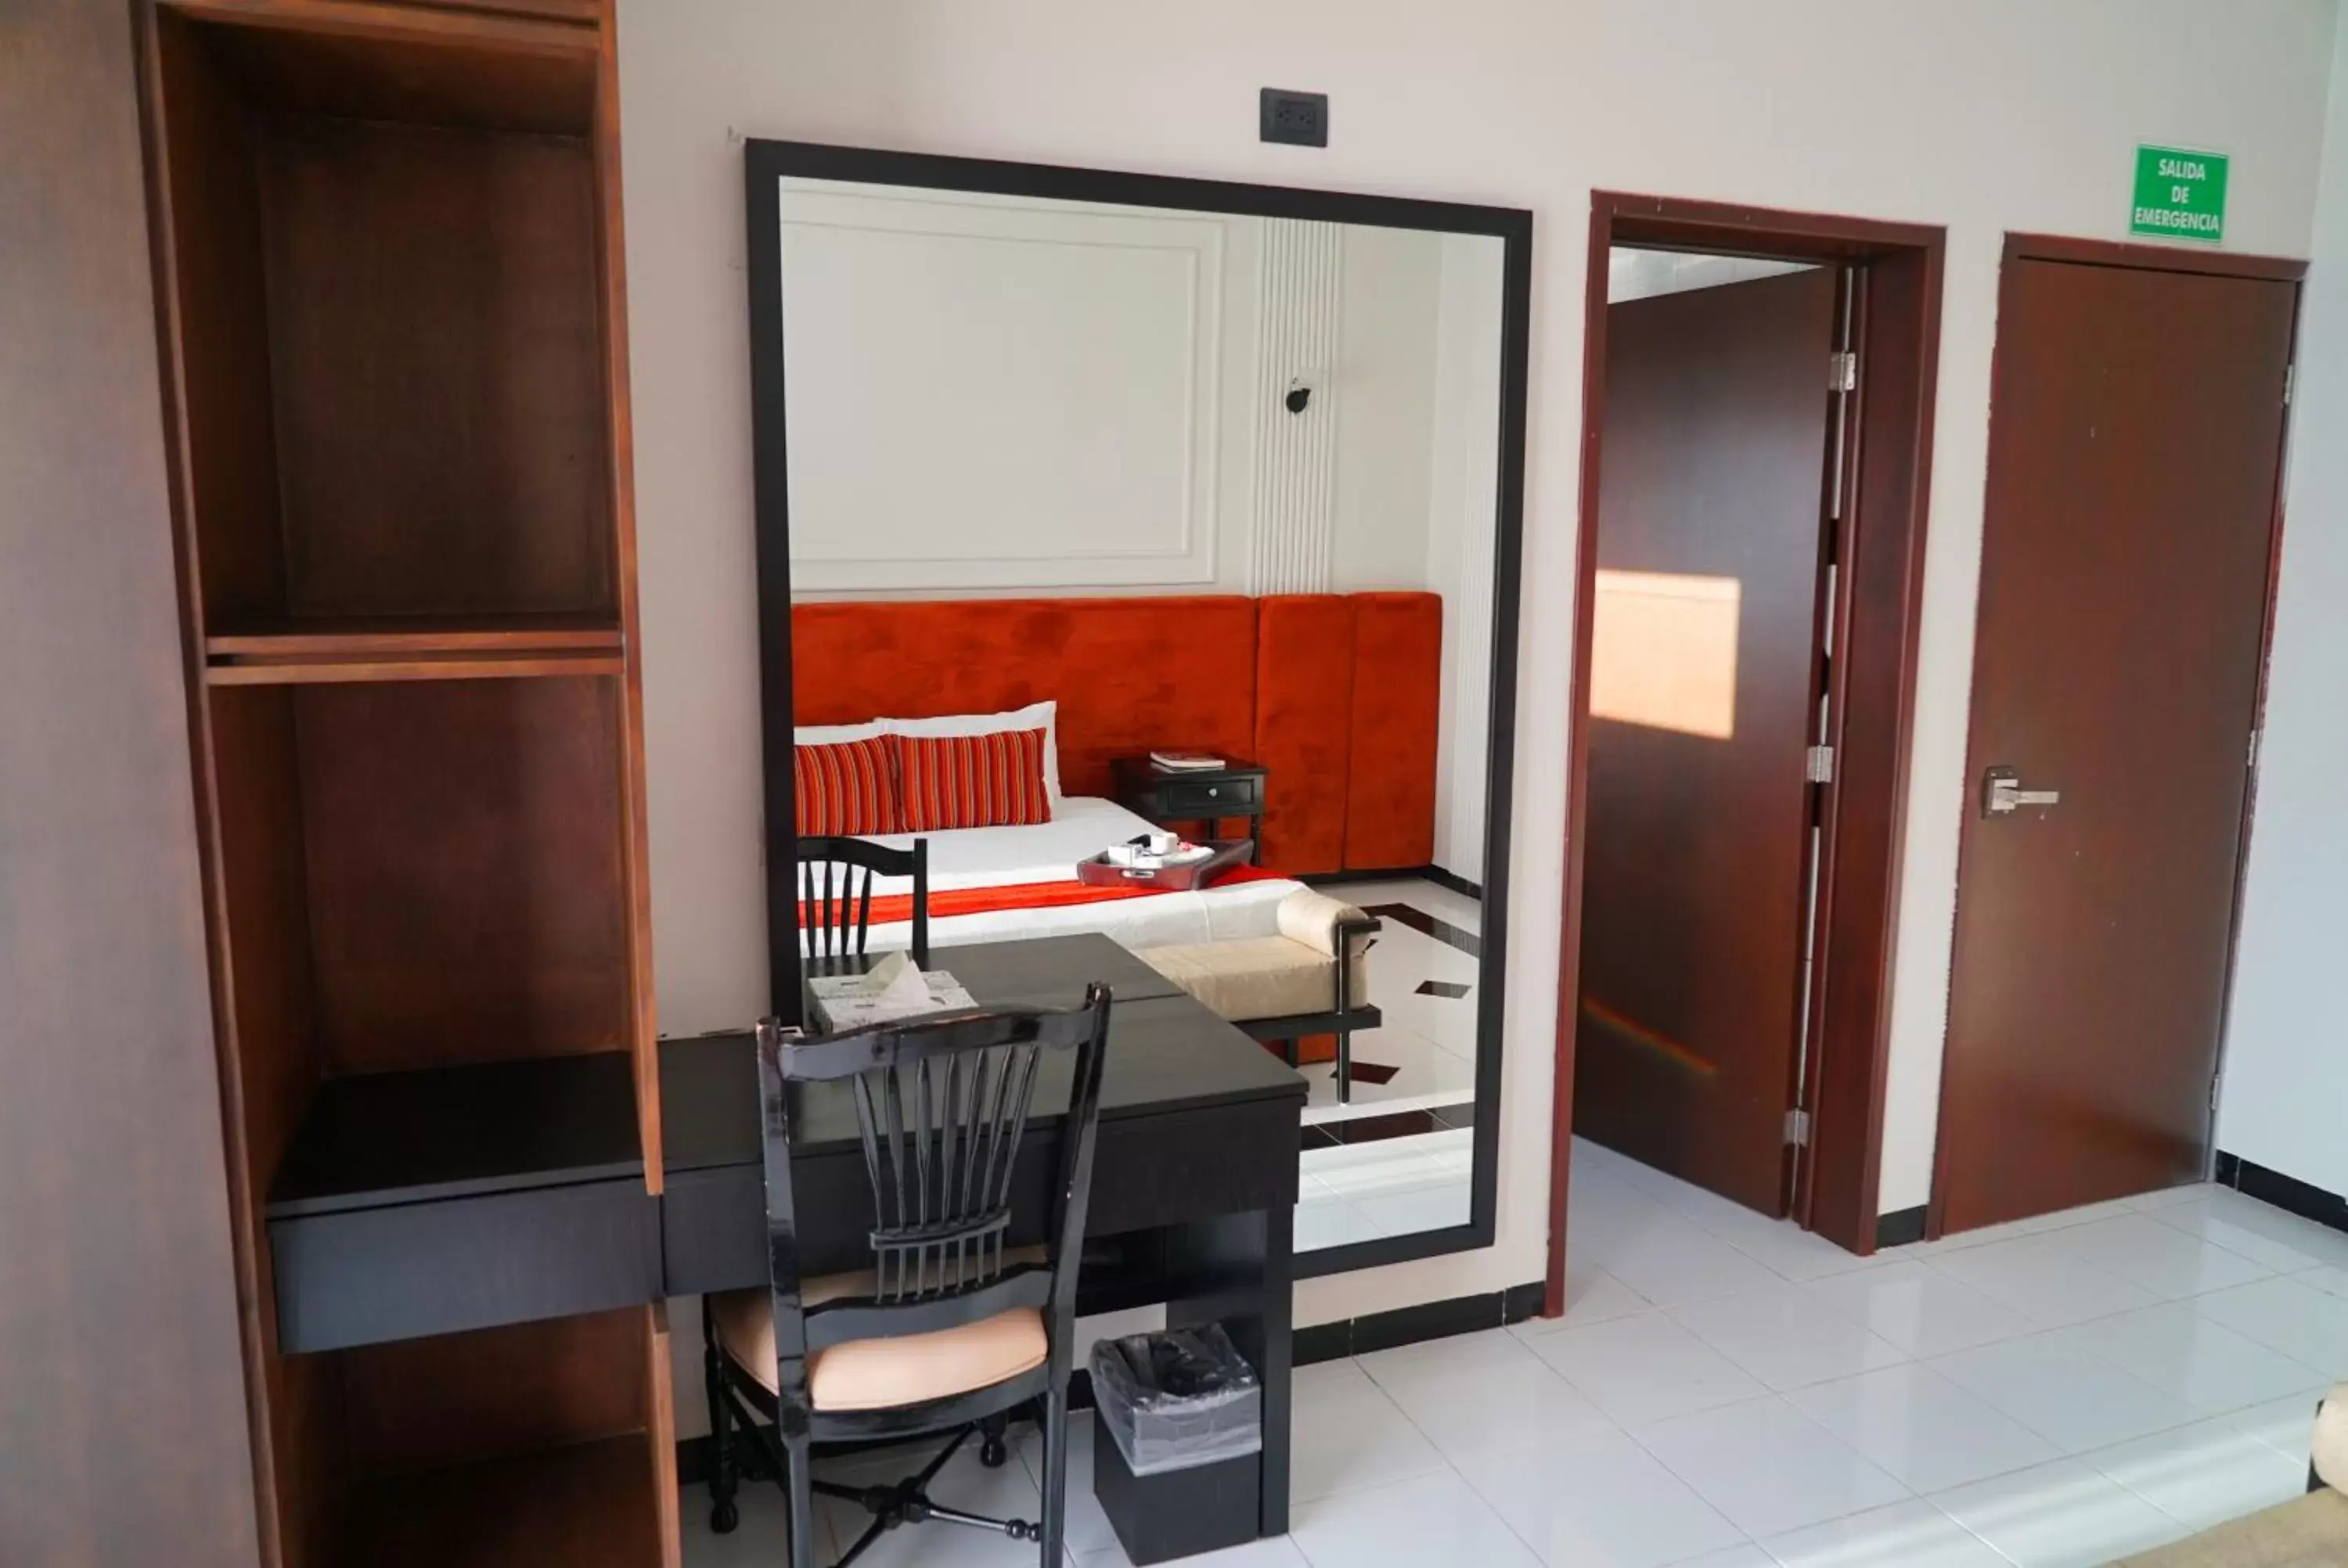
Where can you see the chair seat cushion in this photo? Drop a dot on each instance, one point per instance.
(882, 1374)
(1249, 978)
(2328, 1450)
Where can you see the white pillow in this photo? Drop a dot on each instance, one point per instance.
(1044, 716)
(832, 734)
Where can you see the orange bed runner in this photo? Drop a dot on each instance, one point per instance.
(945, 903)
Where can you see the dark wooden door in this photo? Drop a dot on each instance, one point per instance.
(1703, 705)
(2134, 450)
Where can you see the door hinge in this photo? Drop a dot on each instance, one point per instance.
(1819, 766)
(2290, 374)
(2215, 1079)
(2253, 763)
(1797, 1129)
(1842, 371)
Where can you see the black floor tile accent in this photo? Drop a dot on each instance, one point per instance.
(1427, 924)
(1358, 1130)
(1379, 1129)
(1451, 989)
(1371, 1072)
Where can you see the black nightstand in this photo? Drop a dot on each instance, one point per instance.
(1198, 795)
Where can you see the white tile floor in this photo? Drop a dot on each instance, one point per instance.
(1429, 1040)
(1726, 1392)
(1398, 1185)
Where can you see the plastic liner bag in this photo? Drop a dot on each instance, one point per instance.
(1179, 1399)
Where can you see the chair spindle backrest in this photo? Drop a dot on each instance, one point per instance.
(835, 877)
(940, 1141)
(942, 1104)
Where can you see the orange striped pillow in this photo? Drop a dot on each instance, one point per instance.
(972, 781)
(846, 788)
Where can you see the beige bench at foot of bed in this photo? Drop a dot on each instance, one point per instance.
(2302, 1533)
(1309, 980)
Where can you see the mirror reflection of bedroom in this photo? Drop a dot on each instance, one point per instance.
(1142, 569)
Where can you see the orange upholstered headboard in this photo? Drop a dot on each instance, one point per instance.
(1398, 711)
(1338, 695)
(1348, 704)
(1131, 675)
(1304, 726)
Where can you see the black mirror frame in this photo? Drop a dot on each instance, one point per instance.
(766, 163)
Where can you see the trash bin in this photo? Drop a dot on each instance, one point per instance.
(1177, 1433)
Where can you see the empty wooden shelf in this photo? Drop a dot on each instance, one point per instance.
(319, 649)
(388, 244)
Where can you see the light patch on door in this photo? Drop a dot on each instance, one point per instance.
(1663, 651)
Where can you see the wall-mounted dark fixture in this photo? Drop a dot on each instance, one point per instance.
(1299, 394)
(1301, 119)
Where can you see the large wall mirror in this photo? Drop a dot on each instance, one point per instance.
(1164, 467)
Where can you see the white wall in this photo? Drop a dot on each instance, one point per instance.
(1985, 116)
(1635, 274)
(1385, 405)
(2286, 1070)
(1463, 514)
(991, 393)
(1084, 386)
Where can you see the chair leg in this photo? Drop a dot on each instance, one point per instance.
(724, 1516)
(800, 1462)
(1344, 1066)
(1056, 1478)
(994, 1450)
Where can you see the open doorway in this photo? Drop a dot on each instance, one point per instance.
(1758, 395)
(1709, 711)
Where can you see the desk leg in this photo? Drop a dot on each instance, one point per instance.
(1240, 1271)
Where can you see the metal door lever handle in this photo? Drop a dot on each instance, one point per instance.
(2002, 795)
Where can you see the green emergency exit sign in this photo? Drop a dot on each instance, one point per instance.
(2179, 194)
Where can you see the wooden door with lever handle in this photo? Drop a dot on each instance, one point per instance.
(2136, 453)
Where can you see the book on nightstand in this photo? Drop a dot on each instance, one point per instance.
(1184, 761)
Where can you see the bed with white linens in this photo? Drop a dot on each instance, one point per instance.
(1081, 826)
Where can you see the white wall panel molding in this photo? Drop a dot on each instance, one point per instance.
(1299, 284)
(990, 395)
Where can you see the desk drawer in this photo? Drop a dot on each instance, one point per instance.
(362, 1276)
(1149, 1172)
(1217, 797)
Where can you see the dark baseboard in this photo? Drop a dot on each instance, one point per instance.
(1435, 874)
(1413, 1325)
(2290, 1193)
(1900, 1228)
(1459, 885)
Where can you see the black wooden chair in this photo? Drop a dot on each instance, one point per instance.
(835, 877)
(950, 1331)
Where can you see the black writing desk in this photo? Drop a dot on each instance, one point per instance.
(427, 1203)
(1194, 1175)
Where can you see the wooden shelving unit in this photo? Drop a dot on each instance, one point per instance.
(289, 669)
(286, 638)
(390, 272)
